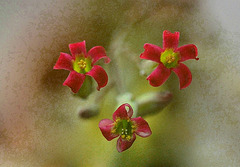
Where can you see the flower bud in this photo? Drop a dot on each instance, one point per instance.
(89, 112)
(151, 103)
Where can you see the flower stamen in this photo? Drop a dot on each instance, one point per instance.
(170, 58)
(82, 64)
(117, 120)
(124, 127)
(133, 126)
(128, 137)
(113, 130)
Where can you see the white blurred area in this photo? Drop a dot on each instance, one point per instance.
(224, 15)
(226, 12)
(39, 125)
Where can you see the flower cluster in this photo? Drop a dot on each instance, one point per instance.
(169, 58)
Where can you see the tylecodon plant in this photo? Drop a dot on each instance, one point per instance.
(126, 124)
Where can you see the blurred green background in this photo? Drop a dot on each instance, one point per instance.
(39, 118)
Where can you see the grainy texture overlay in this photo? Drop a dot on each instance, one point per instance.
(39, 123)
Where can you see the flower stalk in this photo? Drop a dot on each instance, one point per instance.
(89, 112)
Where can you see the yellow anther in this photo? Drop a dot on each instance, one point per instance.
(123, 136)
(133, 126)
(132, 130)
(128, 120)
(170, 58)
(113, 131)
(117, 120)
(128, 137)
(82, 64)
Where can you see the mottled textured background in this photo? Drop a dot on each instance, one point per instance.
(39, 122)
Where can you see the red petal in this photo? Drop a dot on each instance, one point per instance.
(98, 52)
(152, 52)
(159, 75)
(143, 128)
(170, 40)
(78, 48)
(123, 144)
(64, 62)
(106, 126)
(74, 81)
(188, 52)
(100, 76)
(184, 75)
(122, 112)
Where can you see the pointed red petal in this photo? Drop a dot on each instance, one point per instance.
(188, 52)
(152, 52)
(170, 40)
(184, 75)
(64, 62)
(143, 128)
(159, 75)
(123, 144)
(74, 81)
(106, 126)
(98, 52)
(122, 112)
(100, 76)
(78, 48)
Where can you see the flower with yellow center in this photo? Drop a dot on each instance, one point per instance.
(125, 127)
(170, 58)
(81, 63)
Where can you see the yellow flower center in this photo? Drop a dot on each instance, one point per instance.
(125, 128)
(82, 64)
(170, 58)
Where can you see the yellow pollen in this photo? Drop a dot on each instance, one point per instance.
(170, 58)
(128, 137)
(82, 64)
(132, 130)
(123, 136)
(133, 126)
(113, 131)
(117, 120)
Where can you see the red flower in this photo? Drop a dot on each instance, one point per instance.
(125, 127)
(81, 64)
(170, 58)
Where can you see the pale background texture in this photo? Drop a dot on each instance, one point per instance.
(39, 123)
